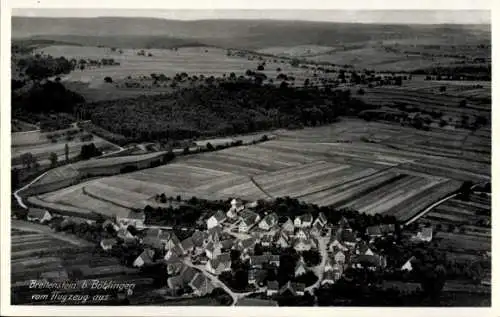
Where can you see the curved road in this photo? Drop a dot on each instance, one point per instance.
(320, 269)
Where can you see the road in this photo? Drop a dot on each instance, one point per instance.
(16, 193)
(29, 226)
(320, 269)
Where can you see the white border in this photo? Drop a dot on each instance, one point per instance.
(6, 309)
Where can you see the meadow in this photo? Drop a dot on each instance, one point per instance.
(329, 165)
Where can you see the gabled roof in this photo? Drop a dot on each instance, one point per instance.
(188, 274)
(322, 218)
(371, 260)
(271, 219)
(292, 287)
(215, 230)
(147, 255)
(212, 246)
(317, 226)
(202, 283)
(259, 259)
(222, 261)
(227, 244)
(247, 243)
(187, 244)
(152, 242)
(249, 217)
(219, 216)
(288, 225)
(329, 276)
(37, 213)
(306, 218)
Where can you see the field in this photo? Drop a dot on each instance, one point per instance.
(41, 144)
(35, 254)
(463, 228)
(198, 61)
(330, 165)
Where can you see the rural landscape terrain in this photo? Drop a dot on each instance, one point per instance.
(250, 162)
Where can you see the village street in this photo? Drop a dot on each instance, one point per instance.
(320, 269)
(215, 280)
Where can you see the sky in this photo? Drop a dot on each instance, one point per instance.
(357, 16)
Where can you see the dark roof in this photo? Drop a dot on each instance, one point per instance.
(147, 255)
(322, 218)
(187, 243)
(271, 219)
(348, 236)
(215, 230)
(153, 232)
(426, 232)
(152, 242)
(387, 228)
(139, 215)
(373, 230)
(249, 217)
(219, 216)
(247, 243)
(198, 237)
(256, 302)
(372, 260)
(227, 244)
(188, 274)
(273, 285)
(306, 218)
(329, 275)
(36, 213)
(199, 281)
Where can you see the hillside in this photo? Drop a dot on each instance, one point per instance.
(248, 34)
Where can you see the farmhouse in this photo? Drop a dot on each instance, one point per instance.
(216, 219)
(39, 215)
(133, 218)
(268, 221)
(146, 257)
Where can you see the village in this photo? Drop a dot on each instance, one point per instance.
(252, 258)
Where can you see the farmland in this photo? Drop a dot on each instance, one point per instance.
(329, 165)
(35, 254)
(41, 144)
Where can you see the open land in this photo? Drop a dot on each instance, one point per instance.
(327, 165)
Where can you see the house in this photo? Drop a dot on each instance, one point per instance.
(187, 245)
(216, 220)
(268, 221)
(266, 240)
(214, 234)
(321, 221)
(272, 288)
(220, 264)
(174, 253)
(236, 207)
(256, 302)
(328, 265)
(371, 262)
(363, 248)
(258, 261)
(283, 240)
(199, 238)
(108, 244)
(425, 235)
(328, 278)
(302, 234)
(387, 229)
(201, 285)
(110, 224)
(301, 245)
(303, 221)
(124, 234)
(146, 257)
(248, 220)
(227, 244)
(39, 215)
(339, 257)
(274, 259)
(407, 266)
(374, 232)
(300, 268)
(174, 267)
(295, 289)
(288, 227)
(169, 239)
(213, 250)
(246, 245)
(335, 244)
(348, 238)
(132, 218)
(344, 224)
(153, 242)
(316, 229)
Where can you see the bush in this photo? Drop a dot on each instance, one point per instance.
(108, 79)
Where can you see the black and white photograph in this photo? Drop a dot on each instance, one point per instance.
(277, 158)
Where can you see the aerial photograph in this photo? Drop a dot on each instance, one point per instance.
(250, 158)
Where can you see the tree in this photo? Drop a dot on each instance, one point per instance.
(66, 152)
(108, 79)
(260, 67)
(210, 147)
(53, 159)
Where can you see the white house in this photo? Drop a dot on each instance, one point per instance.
(283, 240)
(300, 268)
(425, 235)
(288, 226)
(301, 234)
(146, 257)
(107, 244)
(39, 215)
(407, 266)
(216, 219)
(132, 218)
(236, 207)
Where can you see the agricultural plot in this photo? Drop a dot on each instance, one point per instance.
(191, 60)
(391, 175)
(42, 144)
